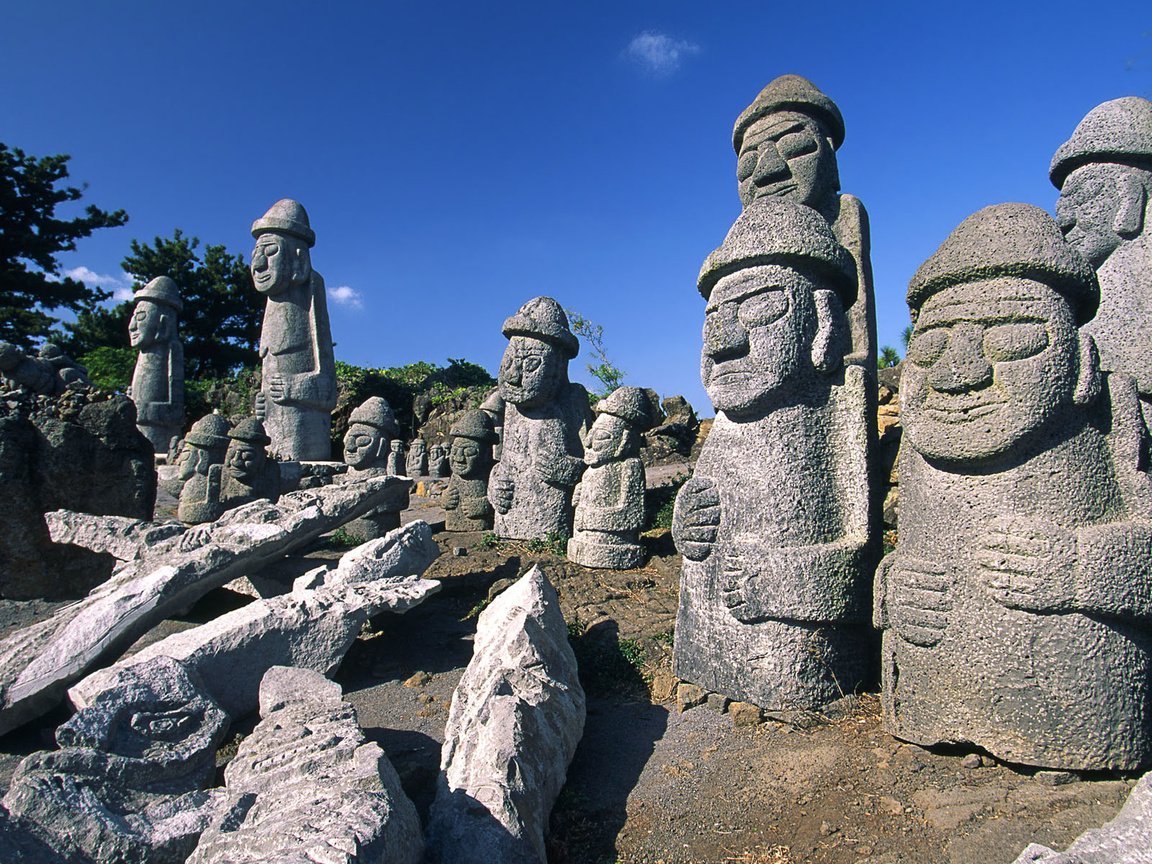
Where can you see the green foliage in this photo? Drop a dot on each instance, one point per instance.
(31, 236)
(666, 637)
(232, 396)
(660, 501)
(554, 543)
(489, 540)
(888, 358)
(341, 539)
(602, 369)
(110, 368)
(906, 336)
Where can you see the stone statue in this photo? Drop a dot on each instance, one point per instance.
(158, 381)
(298, 370)
(465, 501)
(776, 525)
(1017, 609)
(545, 417)
(396, 462)
(47, 374)
(786, 143)
(609, 499)
(1104, 174)
(366, 452)
(493, 406)
(248, 472)
(204, 447)
(437, 461)
(417, 464)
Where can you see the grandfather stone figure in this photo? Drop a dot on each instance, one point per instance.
(609, 499)
(465, 501)
(786, 143)
(1104, 174)
(366, 451)
(248, 472)
(417, 464)
(204, 447)
(1017, 608)
(545, 417)
(158, 380)
(437, 461)
(298, 370)
(396, 462)
(775, 525)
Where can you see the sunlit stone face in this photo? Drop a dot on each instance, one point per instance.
(530, 372)
(606, 440)
(194, 459)
(278, 262)
(144, 325)
(244, 461)
(466, 457)
(361, 445)
(1086, 210)
(785, 155)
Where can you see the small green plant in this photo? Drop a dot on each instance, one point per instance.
(342, 539)
(475, 611)
(890, 539)
(576, 628)
(632, 653)
(660, 502)
(605, 371)
(554, 543)
(489, 540)
(667, 637)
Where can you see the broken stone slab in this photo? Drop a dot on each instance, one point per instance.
(120, 536)
(306, 787)
(312, 627)
(38, 663)
(517, 716)
(129, 780)
(1127, 838)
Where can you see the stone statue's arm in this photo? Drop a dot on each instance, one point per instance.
(450, 500)
(477, 508)
(554, 462)
(1113, 573)
(315, 389)
(501, 489)
(913, 597)
(696, 518)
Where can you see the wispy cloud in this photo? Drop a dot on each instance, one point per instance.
(120, 286)
(343, 295)
(659, 54)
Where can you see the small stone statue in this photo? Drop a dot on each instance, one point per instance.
(158, 380)
(417, 464)
(786, 143)
(1104, 174)
(609, 499)
(249, 474)
(776, 524)
(437, 461)
(396, 461)
(366, 453)
(1017, 608)
(47, 374)
(493, 406)
(204, 447)
(545, 417)
(298, 370)
(465, 501)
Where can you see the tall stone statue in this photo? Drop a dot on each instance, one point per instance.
(367, 454)
(158, 381)
(545, 417)
(609, 499)
(1104, 174)
(396, 464)
(465, 501)
(786, 143)
(1017, 608)
(204, 446)
(298, 370)
(417, 463)
(776, 525)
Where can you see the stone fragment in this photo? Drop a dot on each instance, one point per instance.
(157, 387)
(1017, 606)
(49, 373)
(38, 663)
(745, 714)
(465, 501)
(776, 524)
(122, 538)
(689, 696)
(545, 419)
(516, 718)
(306, 787)
(609, 499)
(205, 446)
(297, 367)
(417, 462)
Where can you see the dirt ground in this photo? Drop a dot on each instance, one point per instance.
(649, 783)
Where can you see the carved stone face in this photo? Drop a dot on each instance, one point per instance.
(194, 459)
(145, 325)
(361, 446)
(758, 331)
(530, 372)
(785, 154)
(990, 364)
(468, 457)
(278, 263)
(1086, 210)
(607, 440)
(245, 461)
(397, 446)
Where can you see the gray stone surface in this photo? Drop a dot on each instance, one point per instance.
(128, 782)
(1127, 839)
(312, 627)
(609, 499)
(493, 406)
(49, 373)
(38, 663)
(123, 538)
(306, 788)
(465, 501)
(1104, 174)
(417, 461)
(297, 367)
(1016, 608)
(545, 418)
(786, 143)
(205, 446)
(438, 461)
(247, 475)
(516, 718)
(157, 387)
(775, 526)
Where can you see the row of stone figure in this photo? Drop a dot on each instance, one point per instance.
(1016, 610)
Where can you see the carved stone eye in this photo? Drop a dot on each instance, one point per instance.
(763, 308)
(1007, 342)
(927, 346)
(531, 364)
(746, 164)
(796, 144)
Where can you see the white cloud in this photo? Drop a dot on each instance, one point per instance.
(343, 295)
(659, 54)
(99, 280)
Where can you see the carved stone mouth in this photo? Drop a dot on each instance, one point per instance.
(778, 190)
(962, 410)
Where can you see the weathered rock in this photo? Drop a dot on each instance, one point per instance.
(311, 628)
(776, 524)
(306, 787)
(157, 387)
(517, 716)
(545, 418)
(673, 436)
(128, 782)
(417, 462)
(123, 538)
(297, 367)
(38, 663)
(493, 406)
(465, 501)
(49, 373)
(1016, 609)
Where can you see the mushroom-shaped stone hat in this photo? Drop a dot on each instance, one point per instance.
(377, 413)
(286, 217)
(1116, 131)
(792, 93)
(473, 424)
(543, 318)
(161, 290)
(629, 404)
(210, 430)
(251, 430)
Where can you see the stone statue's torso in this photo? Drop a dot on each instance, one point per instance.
(1124, 319)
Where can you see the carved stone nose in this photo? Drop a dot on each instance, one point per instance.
(962, 366)
(770, 166)
(724, 335)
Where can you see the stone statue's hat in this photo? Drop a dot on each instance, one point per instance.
(1116, 131)
(778, 231)
(791, 93)
(1009, 240)
(286, 217)
(377, 413)
(494, 403)
(629, 404)
(543, 318)
(161, 290)
(250, 429)
(210, 430)
(473, 424)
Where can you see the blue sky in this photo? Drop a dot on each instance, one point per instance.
(459, 158)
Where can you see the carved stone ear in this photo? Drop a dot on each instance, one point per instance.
(1088, 380)
(828, 343)
(1129, 219)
